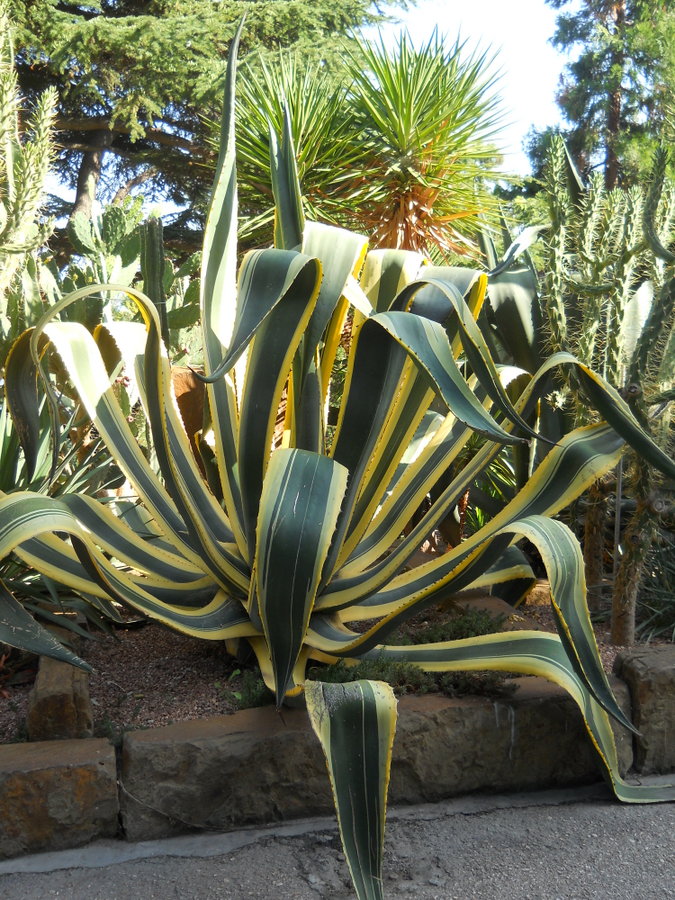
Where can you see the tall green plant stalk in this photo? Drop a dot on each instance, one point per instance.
(624, 223)
(560, 211)
(651, 370)
(26, 154)
(572, 225)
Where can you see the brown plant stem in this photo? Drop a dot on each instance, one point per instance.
(89, 173)
(637, 541)
(594, 544)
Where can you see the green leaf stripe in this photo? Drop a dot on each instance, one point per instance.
(618, 414)
(407, 495)
(124, 544)
(219, 257)
(204, 519)
(427, 343)
(386, 273)
(24, 516)
(267, 369)
(55, 558)
(20, 385)
(570, 467)
(265, 279)
(220, 619)
(399, 431)
(525, 652)
(471, 338)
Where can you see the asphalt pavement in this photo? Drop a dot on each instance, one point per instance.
(547, 845)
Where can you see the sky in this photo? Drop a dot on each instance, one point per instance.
(518, 32)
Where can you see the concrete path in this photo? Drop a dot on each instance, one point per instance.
(549, 845)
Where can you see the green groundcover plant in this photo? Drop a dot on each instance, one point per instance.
(297, 547)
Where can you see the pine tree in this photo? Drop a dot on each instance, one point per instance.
(617, 91)
(136, 79)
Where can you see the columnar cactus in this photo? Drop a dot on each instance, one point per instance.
(609, 297)
(25, 158)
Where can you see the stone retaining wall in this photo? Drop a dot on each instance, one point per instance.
(257, 766)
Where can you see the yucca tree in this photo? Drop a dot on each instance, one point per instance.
(426, 121)
(314, 100)
(287, 548)
(400, 149)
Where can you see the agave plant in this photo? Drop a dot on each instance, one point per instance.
(290, 548)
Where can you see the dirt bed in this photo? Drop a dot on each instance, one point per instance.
(143, 678)
(149, 676)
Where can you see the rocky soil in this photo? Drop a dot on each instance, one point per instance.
(142, 678)
(150, 676)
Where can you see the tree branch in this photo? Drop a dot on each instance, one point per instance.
(136, 181)
(76, 10)
(96, 123)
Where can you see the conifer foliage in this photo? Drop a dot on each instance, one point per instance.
(135, 79)
(616, 92)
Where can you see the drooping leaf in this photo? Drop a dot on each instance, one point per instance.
(19, 629)
(355, 724)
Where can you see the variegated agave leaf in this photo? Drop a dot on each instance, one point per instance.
(355, 724)
(306, 538)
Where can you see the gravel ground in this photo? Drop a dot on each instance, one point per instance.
(143, 677)
(150, 676)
